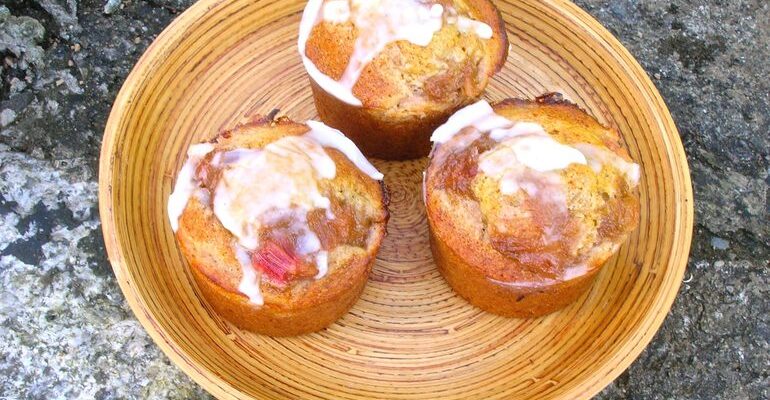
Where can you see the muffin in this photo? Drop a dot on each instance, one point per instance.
(280, 223)
(526, 201)
(388, 72)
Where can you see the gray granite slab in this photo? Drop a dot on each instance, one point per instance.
(66, 331)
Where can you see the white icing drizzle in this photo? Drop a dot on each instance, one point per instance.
(329, 137)
(465, 24)
(526, 159)
(336, 11)
(574, 272)
(310, 18)
(424, 188)
(186, 184)
(540, 153)
(525, 146)
(479, 115)
(260, 185)
(598, 157)
(274, 185)
(263, 187)
(203, 196)
(307, 241)
(379, 23)
(249, 284)
(518, 129)
(322, 263)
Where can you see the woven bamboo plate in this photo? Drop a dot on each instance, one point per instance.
(409, 337)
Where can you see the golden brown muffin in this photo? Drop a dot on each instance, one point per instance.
(526, 201)
(428, 59)
(280, 223)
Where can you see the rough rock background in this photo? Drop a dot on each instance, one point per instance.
(70, 334)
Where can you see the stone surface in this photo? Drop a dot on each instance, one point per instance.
(70, 334)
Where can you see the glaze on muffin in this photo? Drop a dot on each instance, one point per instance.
(388, 72)
(280, 223)
(526, 201)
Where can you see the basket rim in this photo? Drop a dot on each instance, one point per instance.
(167, 40)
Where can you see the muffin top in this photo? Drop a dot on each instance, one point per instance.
(536, 192)
(272, 207)
(402, 55)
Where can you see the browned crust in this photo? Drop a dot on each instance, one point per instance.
(379, 133)
(301, 309)
(550, 99)
(275, 320)
(470, 268)
(490, 14)
(520, 302)
(553, 105)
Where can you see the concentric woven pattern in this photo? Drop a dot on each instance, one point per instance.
(409, 337)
